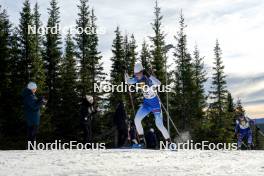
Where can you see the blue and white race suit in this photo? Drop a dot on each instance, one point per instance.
(151, 103)
(243, 130)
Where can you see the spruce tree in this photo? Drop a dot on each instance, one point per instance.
(26, 41)
(230, 103)
(30, 47)
(5, 34)
(230, 111)
(83, 40)
(52, 57)
(199, 81)
(219, 91)
(38, 71)
(132, 48)
(158, 46)
(127, 55)
(130, 58)
(69, 110)
(16, 62)
(145, 56)
(97, 74)
(184, 74)
(158, 49)
(36, 21)
(130, 54)
(12, 83)
(199, 93)
(5, 76)
(95, 58)
(220, 118)
(118, 67)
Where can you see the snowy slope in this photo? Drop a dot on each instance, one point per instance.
(132, 162)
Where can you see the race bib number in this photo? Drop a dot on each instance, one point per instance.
(244, 125)
(149, 93)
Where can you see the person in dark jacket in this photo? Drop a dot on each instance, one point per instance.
(87, 112)
(151, 139)
(32, 106)
(120, 119)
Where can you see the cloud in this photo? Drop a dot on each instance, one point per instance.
(255, 102)
(246, 79)
(242, 86)
(249, 88)
(255, 110)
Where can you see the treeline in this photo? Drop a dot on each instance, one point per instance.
(67, 76)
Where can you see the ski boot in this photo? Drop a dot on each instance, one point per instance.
(168, 143)
(141, 144)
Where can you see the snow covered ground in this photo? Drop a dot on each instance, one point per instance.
(132, 162)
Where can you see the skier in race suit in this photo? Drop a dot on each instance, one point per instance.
(242, 130)
(151, 102)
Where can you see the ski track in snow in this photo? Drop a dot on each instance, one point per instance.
(131, 162)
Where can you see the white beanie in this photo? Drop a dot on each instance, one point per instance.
(138, 67)
(31, 85)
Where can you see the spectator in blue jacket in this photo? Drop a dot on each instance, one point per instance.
(243, 131)
(32, 106)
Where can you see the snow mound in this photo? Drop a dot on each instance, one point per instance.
(131, 162)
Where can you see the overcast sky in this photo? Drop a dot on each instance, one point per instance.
(238, 24)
